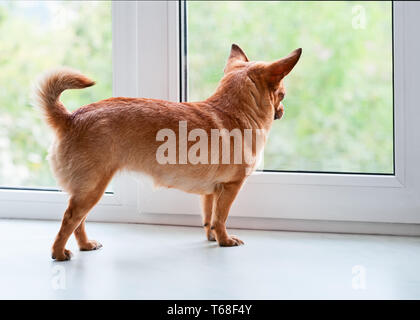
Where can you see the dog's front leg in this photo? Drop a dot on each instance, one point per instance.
(207, 207)
(223, 198)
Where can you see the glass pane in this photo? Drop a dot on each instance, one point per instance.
(36, 36)
(339, 102)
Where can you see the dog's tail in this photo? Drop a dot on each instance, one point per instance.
(48, 90)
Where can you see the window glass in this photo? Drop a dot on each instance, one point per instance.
(339, 101)
(36, 36)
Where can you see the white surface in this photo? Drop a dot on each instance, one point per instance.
(163, 262)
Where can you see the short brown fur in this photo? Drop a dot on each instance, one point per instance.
(97, 140)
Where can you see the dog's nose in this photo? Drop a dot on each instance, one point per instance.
(279, 113)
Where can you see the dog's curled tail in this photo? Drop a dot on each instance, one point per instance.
(48, 90)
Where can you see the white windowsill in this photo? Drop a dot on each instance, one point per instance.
(163, 262)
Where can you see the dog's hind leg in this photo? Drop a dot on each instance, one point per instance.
(82, 239)
(207, 207)
(77, 210)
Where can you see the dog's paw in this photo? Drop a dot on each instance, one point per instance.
(210, 235)
(230, 241)
(90, 245)
(62, 256)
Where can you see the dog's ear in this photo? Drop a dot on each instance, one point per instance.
(236, 54)
(279, 69)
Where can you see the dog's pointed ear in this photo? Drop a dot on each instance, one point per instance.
(236, 54)
(281, 68)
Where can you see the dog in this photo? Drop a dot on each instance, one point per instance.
(97, 140)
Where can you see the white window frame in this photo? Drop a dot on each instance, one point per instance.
(146, 59)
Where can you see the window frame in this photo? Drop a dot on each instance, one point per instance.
(371, 197)
(42, 203)
(146, 63)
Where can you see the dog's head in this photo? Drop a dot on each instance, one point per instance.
(266, 78)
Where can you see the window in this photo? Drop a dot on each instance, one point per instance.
(309, 180)
(339, 102)
(375, 139)
(36, 36)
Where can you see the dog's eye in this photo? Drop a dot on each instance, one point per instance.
(281, 95)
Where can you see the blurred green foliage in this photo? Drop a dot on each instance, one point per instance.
(339, 97)
(34, 37)
(339, 110)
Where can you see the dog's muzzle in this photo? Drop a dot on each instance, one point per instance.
(279, 112)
